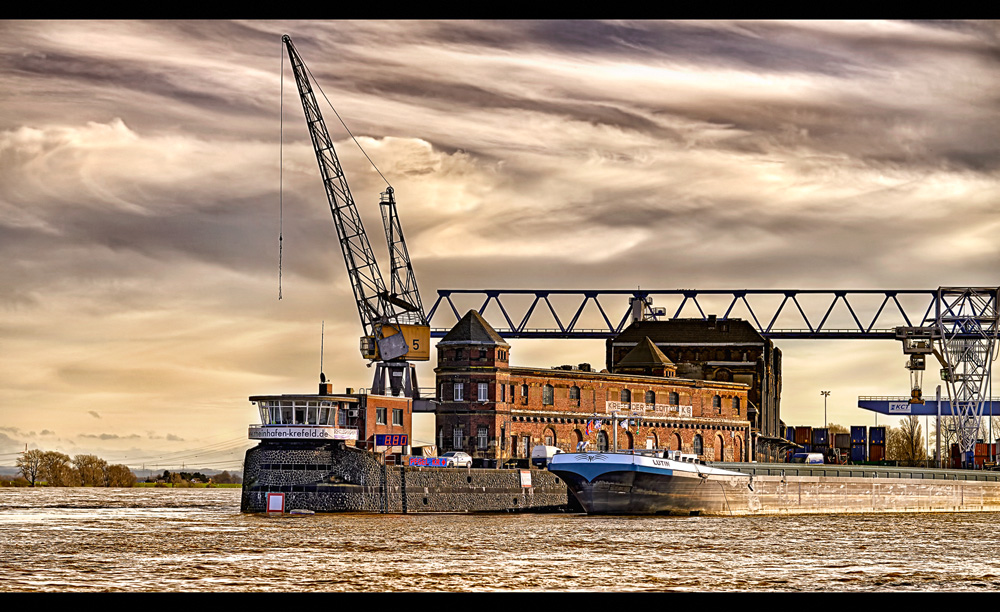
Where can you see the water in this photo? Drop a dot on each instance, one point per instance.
(196, 540)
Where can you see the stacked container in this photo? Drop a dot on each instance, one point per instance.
(803, 437)
(842, 442)
(876, 444)
(859, 443)
(821, 441)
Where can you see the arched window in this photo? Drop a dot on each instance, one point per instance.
(549, 437)
(698, 446)
(574, 394)
(675, 442)
(626, 396)
(674, 399)
(650, 398)
(547, 395)
(602, 441)
(720, 448)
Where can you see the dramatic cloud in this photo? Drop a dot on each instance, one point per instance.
(146, 169)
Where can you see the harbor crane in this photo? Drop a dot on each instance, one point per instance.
(396, 329)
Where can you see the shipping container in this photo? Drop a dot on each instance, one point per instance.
(821, 436)
(842, 441)
(858, 434)
(803, 435)
(790, 434)
(876, 452)
(877, 435)
(858, 453)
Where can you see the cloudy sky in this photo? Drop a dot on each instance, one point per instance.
(145, 169)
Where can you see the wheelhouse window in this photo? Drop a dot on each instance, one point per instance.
(547, 395)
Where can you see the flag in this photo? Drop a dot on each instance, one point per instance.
(624, 423)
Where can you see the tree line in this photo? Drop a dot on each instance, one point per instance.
(56, 469)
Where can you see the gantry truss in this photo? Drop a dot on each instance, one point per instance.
(966, 319)
(963, 321)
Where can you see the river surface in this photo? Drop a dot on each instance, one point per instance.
(196, 540)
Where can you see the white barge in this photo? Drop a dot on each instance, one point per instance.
(658, 482)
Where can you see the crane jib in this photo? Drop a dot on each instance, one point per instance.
(394, 321)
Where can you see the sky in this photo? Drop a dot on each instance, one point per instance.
(147, 169)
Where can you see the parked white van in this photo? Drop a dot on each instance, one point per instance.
(541, 454)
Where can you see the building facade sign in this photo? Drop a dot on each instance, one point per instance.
(899, 408)
(304, 432)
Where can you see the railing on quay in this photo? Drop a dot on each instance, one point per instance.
(856, 471)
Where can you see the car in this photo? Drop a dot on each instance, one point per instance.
(457, 459)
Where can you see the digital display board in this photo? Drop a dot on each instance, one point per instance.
(392, 439)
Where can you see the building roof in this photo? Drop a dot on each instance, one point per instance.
(645, 355)
(700, 331)
(473, 329)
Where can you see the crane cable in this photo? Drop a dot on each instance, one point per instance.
(281, 167)
(281, 121)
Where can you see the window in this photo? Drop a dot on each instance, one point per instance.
(459, 354)
(626, 396)
(342, 416)
(650, 397)
(503, 395)
(717, 404)
(547, 395)
(397, 416)
(697, 444)
(736, 405)
(380, 415)
(574, 394)
(527, 446)
(484, 392)
(459, 391)
(457, 436)
(524, 390)
(674, 399)
(482, 437)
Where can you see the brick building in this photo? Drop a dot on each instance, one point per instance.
(493, 410)
(722, 351)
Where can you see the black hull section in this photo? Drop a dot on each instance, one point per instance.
(634, 492)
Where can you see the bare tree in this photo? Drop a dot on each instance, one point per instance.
(906, 442)
(92, 470)
(56, 470)
(30, 464)
(837, 429)
(119, 476)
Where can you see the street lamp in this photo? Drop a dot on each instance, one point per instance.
(825, 395)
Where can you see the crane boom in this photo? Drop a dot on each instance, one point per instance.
(394, 323)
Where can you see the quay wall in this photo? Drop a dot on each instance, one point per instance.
(338, 478)
(797, 489)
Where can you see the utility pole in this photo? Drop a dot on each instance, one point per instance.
(825, 395)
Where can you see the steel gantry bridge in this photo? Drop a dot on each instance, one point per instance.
(958, 325)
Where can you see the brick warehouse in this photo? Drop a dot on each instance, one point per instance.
(719, 350)
(495, 411)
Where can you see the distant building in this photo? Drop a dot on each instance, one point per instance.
(721, 351)
(493, 410)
